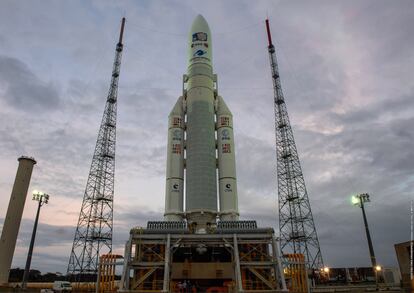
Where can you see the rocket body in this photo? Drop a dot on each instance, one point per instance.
(203, 112)
(201, 177)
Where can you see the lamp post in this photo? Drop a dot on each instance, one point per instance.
(377, 271)
(359, 200)
(41, 198)
(326, 272)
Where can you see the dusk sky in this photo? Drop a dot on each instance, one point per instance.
(347, 74)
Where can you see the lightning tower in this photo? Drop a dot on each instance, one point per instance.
(296, 225)
(93, 234)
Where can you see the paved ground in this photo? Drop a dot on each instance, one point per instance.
(356, 289)
(324, 289)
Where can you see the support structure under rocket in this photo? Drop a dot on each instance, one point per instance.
(200, 143)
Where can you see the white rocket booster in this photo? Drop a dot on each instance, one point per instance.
(175, 164)
(226, 163)
(206, 117)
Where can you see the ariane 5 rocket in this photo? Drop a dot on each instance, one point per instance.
(200, 143)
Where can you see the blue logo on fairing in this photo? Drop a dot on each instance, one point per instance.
(200, 53)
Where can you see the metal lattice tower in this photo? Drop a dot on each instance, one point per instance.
(93, 234)
(296, 225)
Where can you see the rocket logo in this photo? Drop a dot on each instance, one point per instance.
(225, 135)
(176, 135)
(175, 186)
(199, 53)
(202, 37)
(176, 148)
(226, 148)
(176, 122)
(225, 121)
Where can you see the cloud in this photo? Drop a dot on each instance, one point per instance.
(346, 75)
(22, 89)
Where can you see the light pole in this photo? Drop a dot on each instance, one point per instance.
(377, 271)
(359, 200)
(41, 198)
(326, 272)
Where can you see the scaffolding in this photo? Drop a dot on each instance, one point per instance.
(296, 273)
(106, 273)
(172, 259)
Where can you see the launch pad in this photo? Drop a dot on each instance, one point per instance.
(234, 256)
(201, 246)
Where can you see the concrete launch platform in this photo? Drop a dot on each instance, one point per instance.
(234, 256)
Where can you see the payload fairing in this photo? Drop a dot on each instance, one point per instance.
(200, 142)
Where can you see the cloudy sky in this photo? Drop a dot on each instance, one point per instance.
(346, 70)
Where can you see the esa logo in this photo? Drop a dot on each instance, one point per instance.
(225, 135)
(228, 188)
(199, 53)
(177, 135)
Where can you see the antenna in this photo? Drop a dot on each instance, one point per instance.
(269, 36)
(121, 33)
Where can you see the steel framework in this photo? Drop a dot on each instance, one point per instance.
(297, 228)
(95, 225)
(235, 257)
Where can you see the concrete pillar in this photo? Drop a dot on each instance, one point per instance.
(14, 216)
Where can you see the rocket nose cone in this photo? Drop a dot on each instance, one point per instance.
(199, 23)
(200, 41)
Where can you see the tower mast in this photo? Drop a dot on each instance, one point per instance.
(94, 230)
(296, 226)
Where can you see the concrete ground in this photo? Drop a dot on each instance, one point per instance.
(357, 289)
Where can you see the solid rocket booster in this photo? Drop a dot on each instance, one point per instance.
(203, 115)
(175, 164)
(226, 163)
